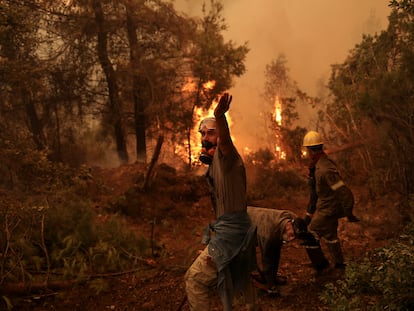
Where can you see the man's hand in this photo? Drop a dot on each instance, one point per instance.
(223, 105)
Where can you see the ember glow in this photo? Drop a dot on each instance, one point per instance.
(191, 85)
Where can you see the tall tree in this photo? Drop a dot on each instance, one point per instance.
(374, 102)
(280, 98)
(111, 79)
(120, 64)
(213, 60)
(19, 71)
(158, 38)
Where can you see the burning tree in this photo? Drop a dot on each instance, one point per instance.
(281, 95)
(214, 64)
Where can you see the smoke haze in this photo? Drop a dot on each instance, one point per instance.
(312, 34)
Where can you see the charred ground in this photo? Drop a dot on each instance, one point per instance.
(172, 213)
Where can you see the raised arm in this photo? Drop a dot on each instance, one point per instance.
(225, 144)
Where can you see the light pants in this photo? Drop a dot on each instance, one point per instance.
(201, 278)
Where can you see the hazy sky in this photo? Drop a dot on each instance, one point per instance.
(313, 35)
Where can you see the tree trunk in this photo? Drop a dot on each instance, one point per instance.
(114, 101)
(35, 125)
(139, 103)
(141, 144)
(155, 156)
(196, 104)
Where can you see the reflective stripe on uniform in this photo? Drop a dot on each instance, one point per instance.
(331, 241)
(338, 185)
(312, 246)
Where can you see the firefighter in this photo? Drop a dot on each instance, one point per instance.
(330, 200)
(274, 229)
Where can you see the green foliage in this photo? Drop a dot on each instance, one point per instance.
(29, 170)
(82, 244)
(373, 104)
(74, 243)
(215, 59)
(385, 280)
(48, 228)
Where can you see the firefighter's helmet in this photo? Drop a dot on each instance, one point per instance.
(312, 138)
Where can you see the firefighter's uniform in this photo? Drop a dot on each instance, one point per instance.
(330, 200)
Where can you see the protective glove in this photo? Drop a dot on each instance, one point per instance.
(352, 218)
(307, 219)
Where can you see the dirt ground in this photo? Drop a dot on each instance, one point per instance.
(173, 214)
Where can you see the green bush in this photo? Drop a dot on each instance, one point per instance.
(383, 281)
(68, 241)
(48, 229)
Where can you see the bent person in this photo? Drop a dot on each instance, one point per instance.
(274, 229)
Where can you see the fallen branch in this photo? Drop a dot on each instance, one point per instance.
(29, 287)
(346, 147)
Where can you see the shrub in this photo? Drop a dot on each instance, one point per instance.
(384, 281)
(49, 231)
(66, 240)
(267, 176)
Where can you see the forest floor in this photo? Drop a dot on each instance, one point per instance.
(173, 215)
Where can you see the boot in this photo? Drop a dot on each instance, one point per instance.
(316, 256)
(336, 251)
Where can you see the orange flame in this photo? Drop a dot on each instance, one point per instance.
(209, 85)
(191, 85)
(195, 142)
(280, 154)
(278, 111)
(182, 150)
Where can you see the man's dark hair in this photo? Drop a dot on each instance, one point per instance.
(300, 227)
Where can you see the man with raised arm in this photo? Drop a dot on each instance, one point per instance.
(229, 258)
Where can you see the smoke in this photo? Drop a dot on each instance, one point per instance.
(313, 35)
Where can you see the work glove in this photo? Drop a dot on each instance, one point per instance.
(307, 219)
(353, 218)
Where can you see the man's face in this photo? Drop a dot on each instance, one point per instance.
(309, 152)
(289, 232)
(209, 139)
(208, 136)
(208, 132)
